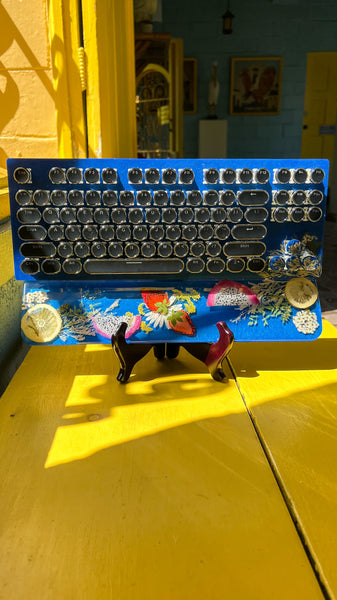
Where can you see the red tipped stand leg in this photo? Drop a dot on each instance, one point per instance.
(210, 354)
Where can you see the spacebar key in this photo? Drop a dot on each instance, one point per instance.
(153, 266)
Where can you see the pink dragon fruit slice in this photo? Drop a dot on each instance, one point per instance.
(107, 325)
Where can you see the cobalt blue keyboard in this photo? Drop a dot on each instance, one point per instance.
(138, 219)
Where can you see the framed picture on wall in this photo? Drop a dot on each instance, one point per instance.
(255, 85)
(190, 86)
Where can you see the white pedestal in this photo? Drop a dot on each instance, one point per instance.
(212, 138)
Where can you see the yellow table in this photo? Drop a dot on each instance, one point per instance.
(161, 488)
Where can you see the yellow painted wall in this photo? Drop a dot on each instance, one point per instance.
(27, 115)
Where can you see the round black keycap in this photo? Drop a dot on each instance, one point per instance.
(90, 232)
(197, 249)
(315, 197)
(300, 175)
(228, 176)
(219, 214)
(56, 233)
(173, 233)
(58, 198)
(71, 266)
(73, 233)
(126, 198)
(235, 215)
(118, 215)
(202, 215)
(315, 213)
(81, 249)
(101, 215)
(181, 249)
(84, 215)
(98, 250)
(206, 232)
(255, 265)
(227, 198)
(75, 197)
(280, 214)
(91, 175)
(211, 175)
(213, 249)
(51, 266)
(152, 215)
(131, 250)
(246, 175)
(169, 175)
(109, 198)
(74, 175)
(41, 197)
(165, 249)
(148, 249)
(56, 175)
(157, 232)
(189, 232)
(177, 198)
(51, 215)
(115, 250)
(186, 176)
(109, 175)
(21, 175)
(135, 175)
(107, 233)
(22, 197)
(297, 214)
(262, 175)
(68, 215)
(65, 249)
(317, 175)
(135, 215)
(215, 265)
(160, 198)
(169, 215)
(194, 198)
(283, 175)
(186, 215)
(299, 197)
(123, 233)
(235, 265)
(93, 198)
(152, 175)
(282, 197)
(195, 265)
(222, 232)
(144, 198)
(211, 198)
(29, 267)
(140, 233)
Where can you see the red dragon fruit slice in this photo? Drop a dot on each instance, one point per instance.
(231, 293)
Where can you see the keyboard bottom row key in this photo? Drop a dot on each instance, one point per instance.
(153, 266)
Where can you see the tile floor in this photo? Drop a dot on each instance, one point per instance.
(327, 284)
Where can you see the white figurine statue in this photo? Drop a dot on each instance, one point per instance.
(213, 91)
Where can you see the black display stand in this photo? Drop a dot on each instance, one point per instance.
(210, 354)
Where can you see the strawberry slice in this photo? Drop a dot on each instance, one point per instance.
(181, 322)
(156, 301)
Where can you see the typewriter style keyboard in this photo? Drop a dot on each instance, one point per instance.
(128, 219)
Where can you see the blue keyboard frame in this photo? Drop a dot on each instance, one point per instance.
(304, 260)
